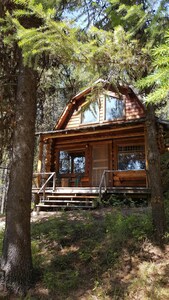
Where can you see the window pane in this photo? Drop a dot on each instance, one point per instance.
(79, 164)
(131, 158)
(64, 162)
(114, 108)
(70, 162)
(91, 114)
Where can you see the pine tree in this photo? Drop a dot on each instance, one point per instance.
(31, 31)
(159, 79)
(126, 49)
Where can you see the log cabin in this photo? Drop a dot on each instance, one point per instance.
(97, 146)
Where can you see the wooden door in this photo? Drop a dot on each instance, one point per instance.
(100, 162)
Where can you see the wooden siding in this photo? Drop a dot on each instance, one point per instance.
(74, 121)
(133, 110)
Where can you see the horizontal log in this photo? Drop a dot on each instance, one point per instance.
(130, 173)
(130, 184)
(124, 178)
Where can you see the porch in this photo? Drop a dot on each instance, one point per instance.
(69, 193)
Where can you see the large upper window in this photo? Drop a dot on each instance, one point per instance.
(71, 162)
(114, 108)
(131, 157)
(91, 114)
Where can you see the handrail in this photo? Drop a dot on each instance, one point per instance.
(43, 187)
(103, 179)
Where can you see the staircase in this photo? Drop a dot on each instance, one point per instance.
(67, 202)
(49, 196)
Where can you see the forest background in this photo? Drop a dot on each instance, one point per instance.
(46, 57)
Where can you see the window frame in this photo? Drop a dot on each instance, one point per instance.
(133, 142)
(131, 152)
(113, 95)
(71, 161)
(88, 110)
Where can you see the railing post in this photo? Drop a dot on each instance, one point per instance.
(105, 185)
(54, 181)
(101, 181)
(44, 192)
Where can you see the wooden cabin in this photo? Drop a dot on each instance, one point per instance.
(100, 148)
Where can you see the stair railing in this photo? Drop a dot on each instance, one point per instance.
(103, 183)
(43, 187)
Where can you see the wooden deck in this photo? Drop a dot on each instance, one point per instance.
(82, 197)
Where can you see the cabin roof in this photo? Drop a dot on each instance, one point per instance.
(107, 85)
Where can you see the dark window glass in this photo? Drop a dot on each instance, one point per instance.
(114, 108)
(131, 158)
(70, 162)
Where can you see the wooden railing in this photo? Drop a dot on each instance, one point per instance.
(135, 177)
(103, 181)
(47, 176)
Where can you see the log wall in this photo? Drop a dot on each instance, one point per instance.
(131, 178)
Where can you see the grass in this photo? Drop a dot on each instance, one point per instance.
(103, 255)
(84, 255)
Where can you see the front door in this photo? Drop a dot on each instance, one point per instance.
(100, 162)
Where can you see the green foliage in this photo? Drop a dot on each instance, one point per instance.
(160, 77)
(37, 31)
(62, 281)
(78, 249)
(124, 228)
(37, 258)
(78, 252)
(58, 84)
(116, 56)
(124, 54)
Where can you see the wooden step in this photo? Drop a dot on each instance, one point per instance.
(58, 205)
(47, 206)
(65, 200)
(72, 196)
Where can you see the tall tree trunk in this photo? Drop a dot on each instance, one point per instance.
(16, 258)
(154, 173)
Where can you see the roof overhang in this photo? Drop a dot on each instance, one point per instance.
(93, 129)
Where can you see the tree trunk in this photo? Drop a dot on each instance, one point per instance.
(154, 173)
(16, 258)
